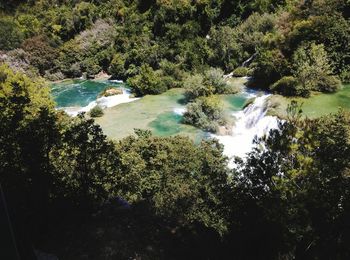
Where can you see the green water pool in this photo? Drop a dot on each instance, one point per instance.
(318, 104)
(78, 92)
(158, 113)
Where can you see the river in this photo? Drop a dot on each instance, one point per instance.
(162, 114)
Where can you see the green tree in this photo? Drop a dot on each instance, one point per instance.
(117, 66)
(205, 113)
(227, 51)
(294, 185)
(312, 67)
(11, 35)
(181, 182)
(194, 85)
(146, 82)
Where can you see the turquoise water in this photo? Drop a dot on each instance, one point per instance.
(79, 93)
(167, 123)
(152, 112)
(318, 104)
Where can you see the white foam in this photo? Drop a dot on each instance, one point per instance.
(250, 122)
(103, 102)
(116, 81)
(179, 110)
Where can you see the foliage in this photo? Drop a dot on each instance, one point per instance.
(226, 49)
(146, 82)
(268, 67)
(240, 72)
(117, 66)
(11, 36)
(179, 37)
(211, 82)
(96, 111)
(194, 85)
(205, 113)
(178, 180)
(312, 68)
(39, 53)
(282, 184)
(289, 86)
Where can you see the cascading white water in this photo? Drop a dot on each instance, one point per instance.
(247, 62)
(250, 122)
(103, 102)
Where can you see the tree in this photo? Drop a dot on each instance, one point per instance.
(146, 82)
(268, 67)
(11, 36)
(312, 67)
(214, 77)
(289, 86)
(40, 54)
(227, 51)
(294, 185)
(179, 181)
(28, 134)
(194, 85)
(205, 113)
(117, 66)
(85, 164)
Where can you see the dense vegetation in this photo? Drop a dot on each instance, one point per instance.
(158, 42)
(78, 195)
(74, 193)
(205, 110)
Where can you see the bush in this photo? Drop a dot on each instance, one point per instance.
(117, 67)
(329, 84)
(240, 72)
(289, 86)
(97, 111)
(146, 82)
(40, 54)
(214, 77)
(269, 66)
(212, 82)
(345, 76)
(195, 87)
(11, 35)
(205, 113)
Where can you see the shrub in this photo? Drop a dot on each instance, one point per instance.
(214, 77)
(117, 66)
(269, 66)
(240, 72)
(40, 54)
(205, 113)
(289, 86)
(11, 35)
(345, 76)
(146, 82)
(195, 87)
(329, 84)
(97, 111)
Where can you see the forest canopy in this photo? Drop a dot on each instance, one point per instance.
(122, 37)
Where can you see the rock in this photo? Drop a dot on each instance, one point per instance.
(102, 75)
(111, 91)
(224, 130)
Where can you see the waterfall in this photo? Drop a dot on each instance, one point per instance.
(247, 62)
(250, 122)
